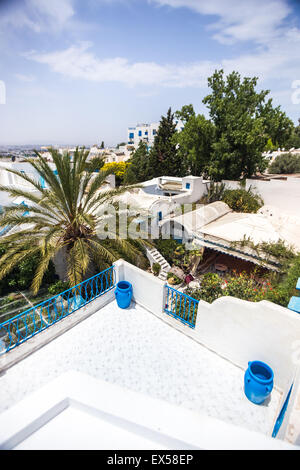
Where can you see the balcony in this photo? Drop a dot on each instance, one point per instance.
(165, 373)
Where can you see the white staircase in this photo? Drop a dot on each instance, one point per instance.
(155, 256)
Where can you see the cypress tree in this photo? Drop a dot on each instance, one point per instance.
(137, 170)
(164, 159)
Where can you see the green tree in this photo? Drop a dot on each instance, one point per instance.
(187, 111)
(195, 142)
(294, 140)
(164, 159)
(243, 122)
(278, 127)
(137, 170)
(63, 219)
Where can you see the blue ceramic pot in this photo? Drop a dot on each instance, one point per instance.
(258, 381)
(123, 294)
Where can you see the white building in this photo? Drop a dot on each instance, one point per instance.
(101, 377)
(146, 133)
(217, 227)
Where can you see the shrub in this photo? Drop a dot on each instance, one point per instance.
(241, 286)
(286, 286)
(156, 269)
(215, 193)
(279, 250)
(119, 169)
(210, 290)
(285, 163)
(242, 200)
(58, 287)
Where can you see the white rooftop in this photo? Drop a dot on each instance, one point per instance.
(117, 370)
(138, 351)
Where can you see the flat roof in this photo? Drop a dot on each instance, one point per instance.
(139, 352)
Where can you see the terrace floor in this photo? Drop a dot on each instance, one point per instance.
(134, 349)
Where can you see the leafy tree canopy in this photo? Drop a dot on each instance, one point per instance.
(244, 122)
(195, 143)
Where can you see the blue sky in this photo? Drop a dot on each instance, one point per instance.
(82, 71)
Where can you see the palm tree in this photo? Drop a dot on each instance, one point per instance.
(62, 220)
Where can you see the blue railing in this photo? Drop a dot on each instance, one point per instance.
(20, 328)
(181, 306)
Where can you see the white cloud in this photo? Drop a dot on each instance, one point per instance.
(263, 21)
(256, 20)
(39, 15)
(78, 62)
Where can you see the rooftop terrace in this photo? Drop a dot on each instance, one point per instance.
(145, 356)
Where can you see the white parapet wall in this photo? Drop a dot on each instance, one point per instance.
(148, 291)
(237, 330)
(244, 331)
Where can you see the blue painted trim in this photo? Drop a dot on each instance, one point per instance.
(294, 304)
(281, 415)
(181, 306)
(29, 323)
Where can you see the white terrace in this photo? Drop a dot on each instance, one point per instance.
(107, 378)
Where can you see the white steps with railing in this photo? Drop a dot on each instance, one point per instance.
(155, 256)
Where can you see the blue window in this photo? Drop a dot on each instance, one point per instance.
(154, 132)
(160, 216)
(131, 135)
(188, 185)
(146, 132)
(140, 133)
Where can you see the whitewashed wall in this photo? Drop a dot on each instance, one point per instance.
(148, 291)
(194, 194)
(238, 330)
(245, 331)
